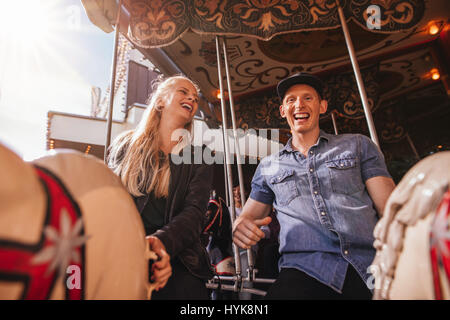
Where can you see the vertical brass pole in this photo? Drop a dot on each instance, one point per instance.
(359, 81)
(112, 83)
(238, 153)
(237, 260)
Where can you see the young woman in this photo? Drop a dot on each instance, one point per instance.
(171, 197)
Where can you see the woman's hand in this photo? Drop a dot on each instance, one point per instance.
(161, 269)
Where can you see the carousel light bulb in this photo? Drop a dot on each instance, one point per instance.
(433, 28)
(435, 75)
(218, 94)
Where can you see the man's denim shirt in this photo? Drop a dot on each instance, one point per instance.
(326, 214)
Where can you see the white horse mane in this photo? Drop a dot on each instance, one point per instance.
(417, 195)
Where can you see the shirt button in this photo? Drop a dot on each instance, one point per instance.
(346, 252)
(311, 170)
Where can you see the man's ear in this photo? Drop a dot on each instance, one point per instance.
(282, 113)
(323, 106)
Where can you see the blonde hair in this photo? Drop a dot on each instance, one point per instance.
(135, 155)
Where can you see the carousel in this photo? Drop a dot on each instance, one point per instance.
(385, 67)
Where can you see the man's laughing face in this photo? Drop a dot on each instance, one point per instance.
(302, 107)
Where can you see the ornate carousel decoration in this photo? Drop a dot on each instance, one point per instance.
(159, 23)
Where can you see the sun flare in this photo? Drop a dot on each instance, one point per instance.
(39, 52)
(25, 23)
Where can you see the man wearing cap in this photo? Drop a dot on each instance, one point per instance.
(328, 191)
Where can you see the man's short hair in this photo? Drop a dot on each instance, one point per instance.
(300, 78)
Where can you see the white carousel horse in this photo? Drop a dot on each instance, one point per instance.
(69, 230)
(413, 237)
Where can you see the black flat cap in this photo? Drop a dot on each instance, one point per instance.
(300, 78)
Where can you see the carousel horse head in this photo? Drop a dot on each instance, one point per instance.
(413, 236)
(69, 230)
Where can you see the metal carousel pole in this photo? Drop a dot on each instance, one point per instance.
(359, 81)
(237, 280)
(237, 261)
(112, 83)
(333, 119)
(251, 271)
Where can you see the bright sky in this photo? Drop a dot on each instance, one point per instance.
(50, 56)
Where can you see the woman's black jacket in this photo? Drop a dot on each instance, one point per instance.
(189, 189)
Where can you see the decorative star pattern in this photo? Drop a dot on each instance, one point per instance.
(64, 245)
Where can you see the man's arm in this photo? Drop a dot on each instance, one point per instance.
(380, 188)
(374, 172)
(246, 228)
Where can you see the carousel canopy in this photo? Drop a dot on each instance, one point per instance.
(159, 23)
(268, 40)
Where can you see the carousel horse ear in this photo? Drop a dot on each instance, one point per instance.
(20, 194)
(150, 256)
(69, 195)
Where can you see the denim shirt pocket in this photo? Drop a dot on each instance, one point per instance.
(284, 185)
(345, 175)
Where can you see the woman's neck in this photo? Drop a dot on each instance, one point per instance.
(166, 138)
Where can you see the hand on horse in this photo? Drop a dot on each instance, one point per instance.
(247, 232)
(161, 269)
